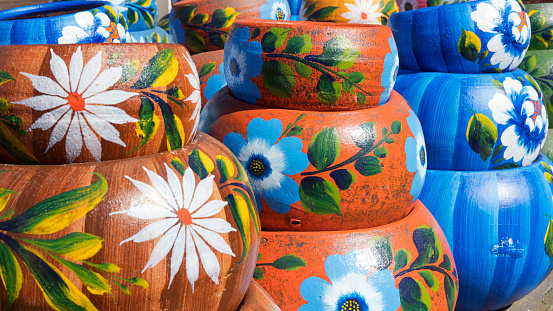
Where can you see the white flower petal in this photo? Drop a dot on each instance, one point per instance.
(509, 139)
(162, 188)
(104, 81)
(177, 255)
(110, 114)
(148, 191)
(208, 258)
(46, 85)
(214, 240)
(73, 140)
(103, 128)
(192, 260)
(163, 247)
(48, 119)
(59, 70)
(112, 97)
(90, 72)
(210, 208)
(175, 185)
(152, 231)
(147, 212)
(203, 192)
(76, 69)
(71, 35)
(43, 102)
(487, 17)
(91, 140)
(84, 19)
(188, 186)
(214, 224)
(529, 158)
(60, 129)
(502, 108)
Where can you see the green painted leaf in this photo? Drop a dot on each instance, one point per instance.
(396, 127)
(469, 45)
(361, 99)
(206, 69)
(95, 283)
(148, 123)
(138, 282)
(273, 39)
(199, 19)
(148, 18)
(122, 287)
(309, 9)
(528, 63)
(496, 152)
(164, 22)
(368, 166)
(106, 266)
(428, 246)
(401, 259)
(249, 198)
(194, 41)
(278, 78)
(356, 76)
(381, 152)
(223, 18)
(389, 140)
(446, 263)
(187, 13)
(14, 147)
(160, 70)
(322, 14)
(132, 16)
(295, 131)
(130, 69)
(319, 196)
(288, 263)
(178, 165)
(343, 178)
(241, 215)
(58, 212)
(380, 252)
(258, 273)
(173, 127)
(5, 77)
(506, 166)
(413, 295)
(497, 84)
(537, 20)
(451, 291)
(329, 90)
(548, 240)
(76, 245)
(200, 163)
(255, 33)
(217, 39)
(337, 52)
(481, 135)
(241, 175)
(324, 148)
(225, 167)
(364, 135)
(388, 8)
(430, 279)
(11, 274)
(298, 45)
(303, 70)
(5, 195)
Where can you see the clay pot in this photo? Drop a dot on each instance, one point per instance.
(124, 101)
(336, 66)
(155, 35)
(477, 122)
(316, 171)
(115, 222)
(63, 23)
(541, 18)
(295, 6)
(474, 37)
(202, 25)
(211, 71)
(350, 11)
(496, 223)
(404, 265)
(539, 64)
(257, 299)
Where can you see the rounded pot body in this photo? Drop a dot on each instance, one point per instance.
(78, 103)
(312, 66)
(475, 37)
(497, 223)
(351, 11)
(315, 171)
(477, 122)
(404, 265)
(178, 230)
(211, 70)
(203, 26)
(154, 35)
(257, 299)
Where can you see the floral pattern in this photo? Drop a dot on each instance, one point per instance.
(407, 5)
(215, 82)
(79, 104)
(511, 39)
(275, 10)
(389, 74)
(268, 160)
(363, 12)
(349, 288)
(415, 154)
(91, 27)
(522, 111)
(195, 97)
(243, 61)
(186, 225)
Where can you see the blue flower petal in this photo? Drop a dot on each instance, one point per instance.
(214, 84)
(384, 281)
(258, 199)
(296, 161)
(235, 142)
(411, 154)
(417, 184)
(241, 36)
(253, 52)
(280, 199)
(313, 290)
(334, 267)
(249, 92)
(268, 131)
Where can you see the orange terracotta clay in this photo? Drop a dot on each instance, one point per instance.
(348, 11)
(211, 72)
(322, 170)
(91, 102)
(257, 299)
(309, 65)
(405, 265)
(171, 231)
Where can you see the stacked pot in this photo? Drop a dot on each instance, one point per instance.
(336, 160)
(110, 198)
(485, 123)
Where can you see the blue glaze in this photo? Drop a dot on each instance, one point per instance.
(495, 223)
(445, 104)
(428, 39)
(157, 34)
(295, 6)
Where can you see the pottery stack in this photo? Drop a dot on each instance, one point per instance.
(348, 11)
(109, 197)
(484, 122)
(336, 159)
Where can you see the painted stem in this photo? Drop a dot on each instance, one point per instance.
(206, 29)
(433, 268)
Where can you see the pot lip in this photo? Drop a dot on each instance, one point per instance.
(308, 24)
(208, 54)
(220, 4)
(458, 75)
(447, 7)
(514, 171)
(86, 45)
(55, 7)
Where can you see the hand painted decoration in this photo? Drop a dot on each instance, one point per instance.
(477, 122)
(482, 36)
(93, 22)
(312, 171)
(541, 20)
(501, 219)
(404, 265)
(187, 218)
(291, 66)
(351, 11)
(154, 35)
(78, 103)
(211, 71)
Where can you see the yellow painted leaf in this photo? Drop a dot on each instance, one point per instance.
(5, 195)
(226, 168)
(75, 245)
(180, 130)
(231, 17)
(11, 274)
(200, 163)
(14, 147)
(160, 70)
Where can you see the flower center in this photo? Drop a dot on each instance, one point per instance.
(422, 155)
(185, 216)
(352, 302)
(408, 6)
(523, 23)
(258, 166)
(537, 109)
(350, 305)
(234, 67)
(76, 101)
(364, 15)
(113, 32)
(280, 14)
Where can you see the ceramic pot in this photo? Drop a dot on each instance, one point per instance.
(163, 23)
(105, 220)
(548, 146)
(336, 66)
(407, 5)
(404, 265)
(257, 299)
(316, 171)
(541, 18)
(155, 35)
(496, 223)
(474, 37)
(211, 71)
(78, 103)
(63, 23)
(539, 64)
(203, 25)
(295, 6)
(477, 122)
(350, 11)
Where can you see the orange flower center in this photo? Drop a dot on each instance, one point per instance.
(523, 23)
(76, 102)
(185, 216)
(113, 32)
(364, 15)
(537, 109)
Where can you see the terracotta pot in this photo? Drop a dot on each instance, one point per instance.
(477, 122)
(211, 71)
(155, 35)
(474, 37)
(404, 265)
(316, 171)
(336, 66)
(203, 25)
(541, 18)
(124, 101)
(539, 64)
(62, 23)
(114, 219)
(257, 299)
(349, 11)
(496, 223)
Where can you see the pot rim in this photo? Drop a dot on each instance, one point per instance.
(315, 25)
(10, 15)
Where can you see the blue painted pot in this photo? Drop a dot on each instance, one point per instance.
(472, 37)
(94, 22)
(157, 34)
(477, 122)
(499, 228)
(295, 6)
